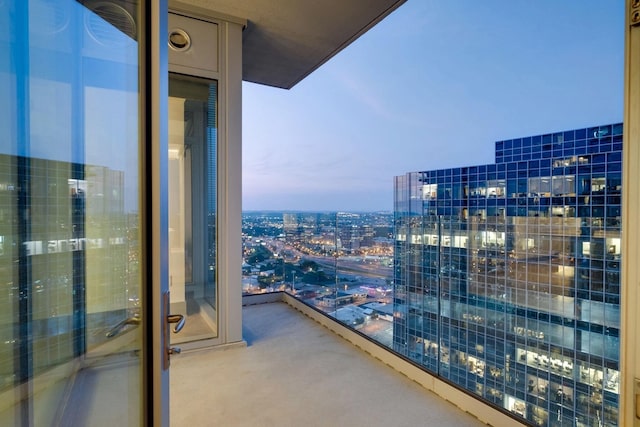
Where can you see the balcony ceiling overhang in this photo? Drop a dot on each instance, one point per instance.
(286, 40)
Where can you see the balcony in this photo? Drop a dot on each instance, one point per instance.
(297, 371)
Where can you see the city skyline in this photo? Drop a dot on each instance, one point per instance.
(451, 81)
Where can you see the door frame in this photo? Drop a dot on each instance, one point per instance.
(154, 214)
(229, 169)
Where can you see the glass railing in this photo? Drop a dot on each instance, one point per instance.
(339, 263)
(496, 306)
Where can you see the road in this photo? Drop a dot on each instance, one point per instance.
(329, 264)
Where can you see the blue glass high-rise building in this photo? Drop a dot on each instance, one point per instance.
(507, 276)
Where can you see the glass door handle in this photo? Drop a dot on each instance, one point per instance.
(178, 319)
(118, 328)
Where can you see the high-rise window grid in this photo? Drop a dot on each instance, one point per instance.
(507, 276)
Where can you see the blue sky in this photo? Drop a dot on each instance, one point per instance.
(432, 86)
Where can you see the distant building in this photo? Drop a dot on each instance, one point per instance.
(336, 300)
(304, 226)
(352, 315)
(381, 310)
(507, 275)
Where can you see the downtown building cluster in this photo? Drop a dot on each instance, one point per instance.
(507, 276)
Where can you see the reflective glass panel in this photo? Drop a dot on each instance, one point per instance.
(70, 345)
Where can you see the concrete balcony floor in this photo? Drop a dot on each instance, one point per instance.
(295, 372)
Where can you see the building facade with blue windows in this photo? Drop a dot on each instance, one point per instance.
(507, 276)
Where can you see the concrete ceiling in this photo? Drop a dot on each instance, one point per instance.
(286, 40)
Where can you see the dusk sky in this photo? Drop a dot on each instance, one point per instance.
(432, 86)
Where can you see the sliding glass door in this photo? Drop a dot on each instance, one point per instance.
(192, 205)
(71, 252)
